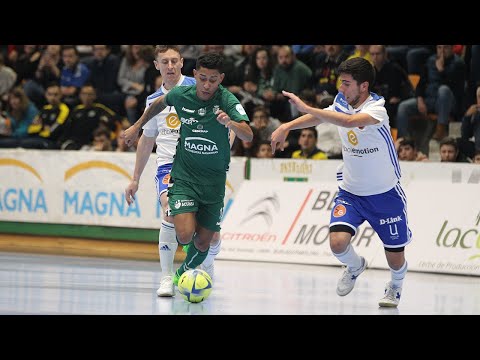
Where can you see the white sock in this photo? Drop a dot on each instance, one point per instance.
(398, 275)
(167, 247)
(350, 258)
(212, 253)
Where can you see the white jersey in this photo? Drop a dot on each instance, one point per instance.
(370, 163)
(166, 125)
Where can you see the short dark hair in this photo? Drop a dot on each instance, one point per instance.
(52, 84)
(449, 141)
(70, 47)
(360, 69)
(408, 142)
(312, 129)
(212, 61)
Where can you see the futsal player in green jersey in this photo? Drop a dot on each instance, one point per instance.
(207, 112)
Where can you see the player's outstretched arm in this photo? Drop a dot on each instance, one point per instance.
(144, 149)
(280, 134)
(321, 116)
(155, 108)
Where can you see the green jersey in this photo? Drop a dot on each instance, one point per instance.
(203, 149)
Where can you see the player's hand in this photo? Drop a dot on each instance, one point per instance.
(295, 100)
(278, 138)
(223, 118)
(130, 135)
(130, 191)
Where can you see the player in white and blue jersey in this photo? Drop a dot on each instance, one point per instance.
(369, 178)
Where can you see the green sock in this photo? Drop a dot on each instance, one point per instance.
(194, 258)
(185, 246)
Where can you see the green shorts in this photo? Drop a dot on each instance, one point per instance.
(205, 200)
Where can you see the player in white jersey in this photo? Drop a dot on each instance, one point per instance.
(164, 130)
(369, 187)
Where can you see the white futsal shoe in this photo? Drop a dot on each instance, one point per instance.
(347, 281)
(210, 269)
(167, 288)
(391, 297)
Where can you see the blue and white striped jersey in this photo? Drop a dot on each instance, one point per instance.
(166, 125)
(370, 163)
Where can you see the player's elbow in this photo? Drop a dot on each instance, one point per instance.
(244, 132)
(350, 124)
(249, 135)
(359, 120)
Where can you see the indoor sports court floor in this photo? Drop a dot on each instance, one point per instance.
(47, 284)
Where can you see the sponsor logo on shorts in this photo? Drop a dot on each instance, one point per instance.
(166, 179)
(390, 220)
(182, 203)
(339, 210)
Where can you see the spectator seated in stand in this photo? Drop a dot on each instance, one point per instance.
(308, 146)
(407, 150)
(47, 126)
(85, 118)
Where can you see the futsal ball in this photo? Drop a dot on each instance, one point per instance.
(195, 285)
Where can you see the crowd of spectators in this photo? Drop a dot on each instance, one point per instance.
(80, 97)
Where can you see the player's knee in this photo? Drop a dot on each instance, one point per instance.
(395, 257)
(184, 237)
(339, 241)
(182, 241)
(215, 239)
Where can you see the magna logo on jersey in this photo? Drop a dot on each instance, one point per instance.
(199, 145)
